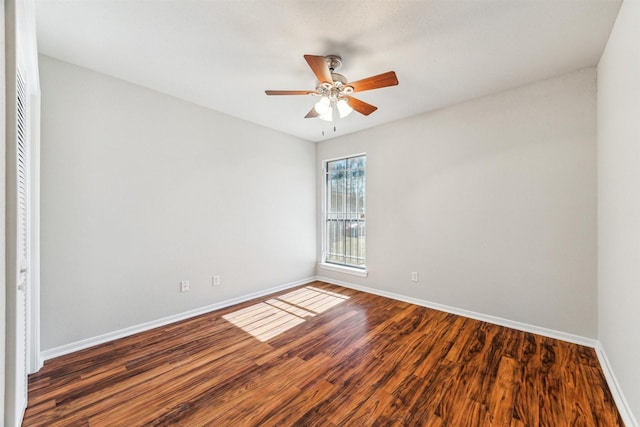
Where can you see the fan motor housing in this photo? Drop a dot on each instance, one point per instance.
(339, 78)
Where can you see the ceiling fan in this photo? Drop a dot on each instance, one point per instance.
(334, 90)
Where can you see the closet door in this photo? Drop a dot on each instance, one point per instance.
(22, 242)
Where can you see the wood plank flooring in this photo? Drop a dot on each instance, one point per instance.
(323, 355)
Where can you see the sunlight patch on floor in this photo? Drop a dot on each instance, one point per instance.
(270, 318)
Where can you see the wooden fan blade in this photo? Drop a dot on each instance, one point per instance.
(374, 82)
(320, 68)
(361, 106)
(289, 92)
(311, 114)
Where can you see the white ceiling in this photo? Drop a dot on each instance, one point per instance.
(223, 54)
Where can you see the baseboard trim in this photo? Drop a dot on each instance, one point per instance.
(121, 333)
(616, 391)
(614, 387)
(551, 333)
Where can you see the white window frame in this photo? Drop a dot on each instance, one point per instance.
(355, 271)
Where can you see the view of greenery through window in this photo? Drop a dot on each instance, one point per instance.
(345, 211)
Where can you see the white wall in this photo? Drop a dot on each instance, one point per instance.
(619, 202)
(493, 202)
(141, 190)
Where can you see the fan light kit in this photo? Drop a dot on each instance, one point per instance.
(334, 90)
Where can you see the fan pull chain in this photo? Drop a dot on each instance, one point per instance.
(335, 129)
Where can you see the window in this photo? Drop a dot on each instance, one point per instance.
(344, 212)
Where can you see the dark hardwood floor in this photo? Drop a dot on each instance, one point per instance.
(323, 355)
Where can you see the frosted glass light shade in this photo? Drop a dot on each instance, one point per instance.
(323, 105)
(326, 108)
(344, 109)
(327, 116)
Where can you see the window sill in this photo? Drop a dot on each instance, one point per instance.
(342, 269)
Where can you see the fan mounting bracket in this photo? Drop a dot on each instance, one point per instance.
(334, 62)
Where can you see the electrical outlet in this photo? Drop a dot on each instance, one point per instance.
(414, 276)
(184, 286)
(216, 280)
